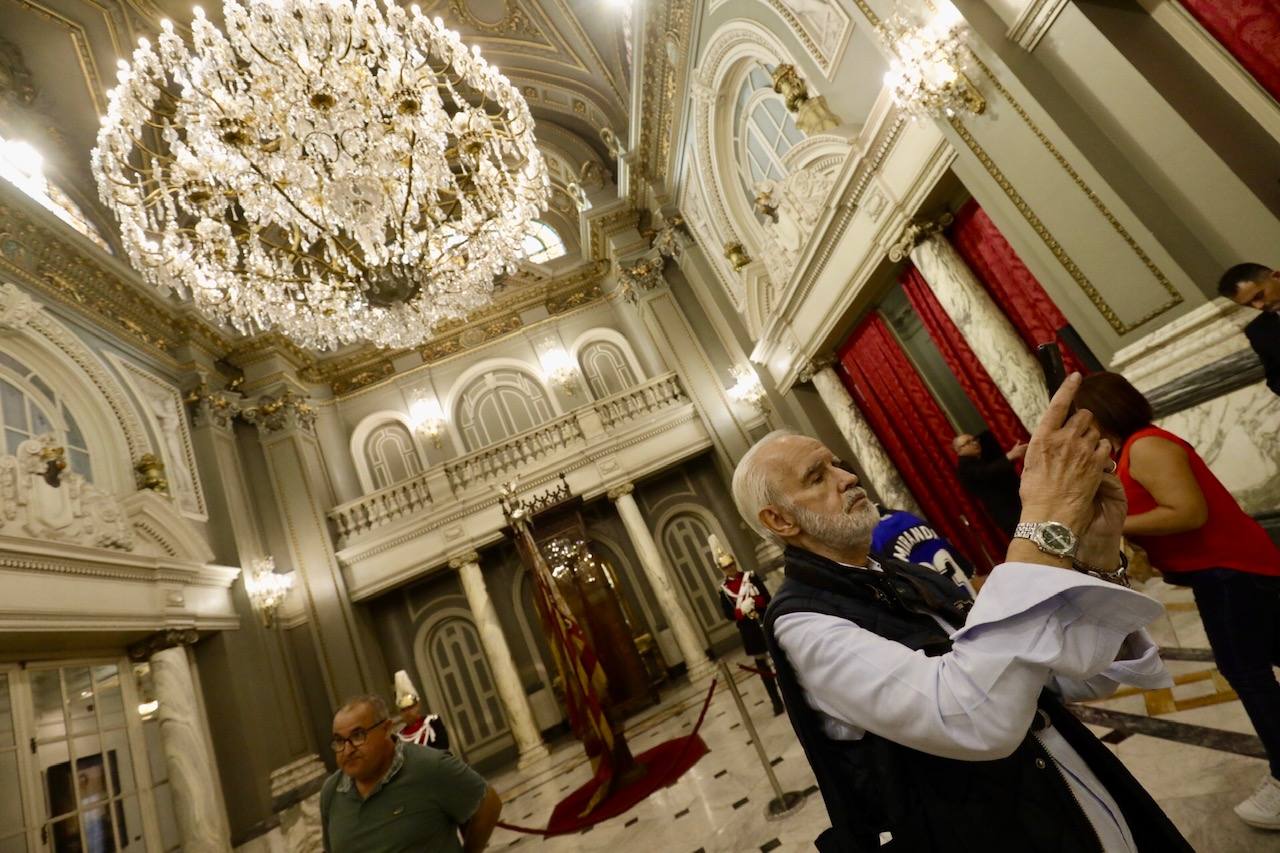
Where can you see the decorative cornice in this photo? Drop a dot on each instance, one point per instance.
(161, 640)
(916, 232)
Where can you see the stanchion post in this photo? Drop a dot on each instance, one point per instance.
(785, 802)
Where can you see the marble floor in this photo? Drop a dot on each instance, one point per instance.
(1191, 746)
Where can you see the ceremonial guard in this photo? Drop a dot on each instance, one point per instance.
(743, 598)
(424, 730)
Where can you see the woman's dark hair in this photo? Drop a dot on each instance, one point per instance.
(1117, 406)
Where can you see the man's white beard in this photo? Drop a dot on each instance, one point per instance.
(840, 531)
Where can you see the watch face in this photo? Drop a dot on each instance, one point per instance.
(1057, 538)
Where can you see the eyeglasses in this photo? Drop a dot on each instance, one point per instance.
(356, 739)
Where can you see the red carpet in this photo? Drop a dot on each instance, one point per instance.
(664, 764)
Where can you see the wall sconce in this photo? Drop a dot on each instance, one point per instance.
(926, 65)
(267, 588)
(427, 417)
(736, 255)
(558, 367)
(747, 389)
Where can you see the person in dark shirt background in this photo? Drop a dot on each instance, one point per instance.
(990, 476)
(1258, 287)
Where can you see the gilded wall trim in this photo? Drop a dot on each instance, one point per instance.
(1090, 290)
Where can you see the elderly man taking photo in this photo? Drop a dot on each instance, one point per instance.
(936, 724)
(394, 797)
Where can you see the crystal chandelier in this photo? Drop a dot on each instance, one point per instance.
(326, 168)
(926, 65)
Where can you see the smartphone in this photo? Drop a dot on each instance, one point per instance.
(1055, 373)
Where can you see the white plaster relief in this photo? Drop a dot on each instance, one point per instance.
(800, 200)
(74, 511)
(990, 335)
(162, 406)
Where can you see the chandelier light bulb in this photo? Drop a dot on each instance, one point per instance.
(339, 171)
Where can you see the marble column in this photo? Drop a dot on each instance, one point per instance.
(688, 638)
(882, 476)
(997, 345)
(506, 678)
(182, 732)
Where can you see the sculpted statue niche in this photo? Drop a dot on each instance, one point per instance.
(792, 206)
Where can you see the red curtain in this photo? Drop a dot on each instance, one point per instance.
(1009, 282)
(917, 436)
(1250, 30)
(973, 377)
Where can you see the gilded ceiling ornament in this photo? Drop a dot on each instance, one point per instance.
(339, 171)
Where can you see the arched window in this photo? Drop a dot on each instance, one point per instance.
(542, 243)
(499, 405)
(29, 407)
(22, 166)
(763, 131)
(391, 455)
(606, 369)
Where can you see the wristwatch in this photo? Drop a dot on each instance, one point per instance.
(1052, 537)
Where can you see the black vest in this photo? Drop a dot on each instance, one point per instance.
(929, 803)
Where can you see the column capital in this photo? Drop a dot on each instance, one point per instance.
(210, 408)
(161, 640)
(287, 411)
(918, 230)
(620, 491)
(458, 561)
(813, 366)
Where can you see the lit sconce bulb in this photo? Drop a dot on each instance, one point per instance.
(747, 388)
(427, 417)
(558, 367)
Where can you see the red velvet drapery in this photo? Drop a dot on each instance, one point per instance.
(1250, 30)
(917, 436)
(1012, 286)
(973, 377)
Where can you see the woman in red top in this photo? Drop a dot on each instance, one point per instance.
(1198, 536)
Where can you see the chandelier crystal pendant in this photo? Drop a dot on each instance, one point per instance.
(330, 169)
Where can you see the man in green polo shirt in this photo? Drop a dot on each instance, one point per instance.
(393, 797)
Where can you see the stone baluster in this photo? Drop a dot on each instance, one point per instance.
(506, 678)
(688, 638)
(986, 329)
(881, 474)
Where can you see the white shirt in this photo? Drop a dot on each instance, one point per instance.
(1032, 626)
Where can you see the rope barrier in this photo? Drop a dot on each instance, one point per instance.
(702, 715)
(760, 672)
